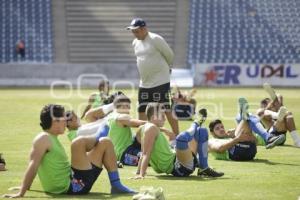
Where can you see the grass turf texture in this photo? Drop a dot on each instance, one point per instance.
(274, 174)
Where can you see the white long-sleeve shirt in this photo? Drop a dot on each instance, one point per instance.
(154, 58)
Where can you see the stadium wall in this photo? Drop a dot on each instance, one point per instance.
(27, 74)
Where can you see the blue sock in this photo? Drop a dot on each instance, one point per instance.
(103, 132)
(182, 140)
(255, 126)
(201, 137)
(116, 185)
(185, 137)
(258, 128)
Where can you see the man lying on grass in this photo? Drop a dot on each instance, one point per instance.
(239, 144)
(156, 149)
(48, 159)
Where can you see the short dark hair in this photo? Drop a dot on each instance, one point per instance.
(120, 99)
(213, 123)
(103, 83)
(265, 101)
(153, 108)
(49, 113)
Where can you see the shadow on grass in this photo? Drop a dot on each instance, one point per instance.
(91, 195)
(272, 163)
(190, 178)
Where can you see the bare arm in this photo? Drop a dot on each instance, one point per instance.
(220, 146)
(40, 147)
(126, 120)
(94, 114)
(147, 146)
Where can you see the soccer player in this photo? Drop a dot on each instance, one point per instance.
(120, 133)
(48, 159)
(239, 144)
(154, 60)
(97, 99)
(275, 117)
(181, 162)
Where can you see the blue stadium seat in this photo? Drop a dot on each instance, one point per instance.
(29, 21)
(244, 31)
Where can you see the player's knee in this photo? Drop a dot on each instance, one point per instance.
(77, 142)
(105, 141)
(182, 140)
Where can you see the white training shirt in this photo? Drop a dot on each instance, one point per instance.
(154, 58)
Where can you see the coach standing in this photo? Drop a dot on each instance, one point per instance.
(154, 60)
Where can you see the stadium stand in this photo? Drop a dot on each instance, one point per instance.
(29, 21)
(96, 29)
(244, 31)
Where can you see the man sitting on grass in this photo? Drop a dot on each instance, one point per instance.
(48, 159)
(156, 149)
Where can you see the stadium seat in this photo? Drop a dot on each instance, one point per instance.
(29, 21)
(244, 31)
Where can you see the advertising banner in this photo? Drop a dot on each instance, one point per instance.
(246, 74)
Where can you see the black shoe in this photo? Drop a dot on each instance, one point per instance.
(209, 172)
(2, 159)
(275, 140)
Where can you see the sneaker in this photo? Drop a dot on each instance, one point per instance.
(275, 140)
(201, 116)
(150, 194)
(2, 163)
(209, 172)
(270, 91)
(297, 144)
(282, 113)
(243, 104)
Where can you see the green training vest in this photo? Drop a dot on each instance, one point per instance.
(162, 156)
(54, 171)
(121, 137)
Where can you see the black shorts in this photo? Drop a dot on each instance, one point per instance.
(83, 180)
(159, 94)
(274, 132)
(131, 155)
(243, 151)
(181, 171)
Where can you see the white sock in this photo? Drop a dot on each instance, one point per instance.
(273, 114)
(107, 108)
(295, 138)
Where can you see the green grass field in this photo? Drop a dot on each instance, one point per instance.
(274, 174)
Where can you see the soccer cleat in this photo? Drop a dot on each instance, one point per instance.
(270, 91)
(243, 104)
(275, 140)
(282, 113)
(209, 172)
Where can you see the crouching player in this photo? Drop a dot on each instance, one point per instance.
(156, 149)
